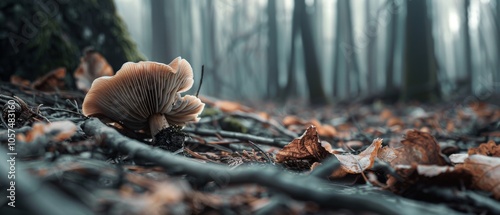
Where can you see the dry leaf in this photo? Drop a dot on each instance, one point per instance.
(55, 131)
(489, 149)
(92, 65)
(323, 129)
(17, 80)
(292, 120)
(418, 147)
(427, 175)
(355, 164)
(458, 158)
(306, 147)
(385, 114)
(485, 173)
(54, 80)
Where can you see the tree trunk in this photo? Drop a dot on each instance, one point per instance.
(290, 89)
(312, 70)
(272, 51)
(391, 46)
(420, 78)
(370, 64)
(161, 39)
(467, 54)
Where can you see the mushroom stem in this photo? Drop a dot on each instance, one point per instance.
(157, 122)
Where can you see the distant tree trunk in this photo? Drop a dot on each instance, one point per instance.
(497, 69)
(290, 88)
(352, 66)
(161, 40)
(420, 78)
(391, 46)
(272, 51)
(467, 54)
(336, 82)
(313, 72)
(370, 65)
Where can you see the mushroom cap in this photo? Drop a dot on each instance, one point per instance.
(139, 90)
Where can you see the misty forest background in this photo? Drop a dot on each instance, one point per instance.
(280, 50)
(326, 50)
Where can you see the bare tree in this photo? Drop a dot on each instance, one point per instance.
(161, 41)
(420, 78)
(272, 51)
(391, 46)
(467, 53)
(313, 72)
(345, 49)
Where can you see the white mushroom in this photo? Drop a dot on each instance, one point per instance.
(145, 96)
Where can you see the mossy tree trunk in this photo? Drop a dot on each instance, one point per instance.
(38, 36)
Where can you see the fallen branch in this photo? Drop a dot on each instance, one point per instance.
(296, 186)
(236, 135)
(35, 196)
(271, 122)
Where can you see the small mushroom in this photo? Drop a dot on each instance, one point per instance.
(145, 96)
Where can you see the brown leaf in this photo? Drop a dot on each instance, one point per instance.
(489, 149)
(485, 172)
(323, 129)
(292, 120)
(92, 65)
(55, 131)
(418, 147)
(54, 80)
(426, 175)
(355, 164)
(17, 80)
(307, 147)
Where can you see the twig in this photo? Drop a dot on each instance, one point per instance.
(261, 151)
(296, 186)
(201, 80)
(272, 123)
(236, 135)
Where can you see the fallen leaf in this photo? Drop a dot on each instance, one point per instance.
(393, 121)
(306, 147)
(458, 158)
(292, 120)
(17, 80)
(489, 149)
(426, 175)
(485, 173)
(92, 65)
(55, 131)
(418, 148)
(54, 80)
(355, 164)
(385, 114)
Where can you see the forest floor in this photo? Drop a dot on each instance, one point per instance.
(264, 159)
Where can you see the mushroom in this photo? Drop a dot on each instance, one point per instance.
(145, 96)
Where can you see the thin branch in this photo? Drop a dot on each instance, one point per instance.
(236, 135)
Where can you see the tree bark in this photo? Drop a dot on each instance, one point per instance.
(467, 54)
(272, 51)
(312, 70)
(160, 38)
(420, 78)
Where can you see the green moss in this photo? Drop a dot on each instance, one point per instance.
(207, 112)
(233, 124)
(59, 39)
